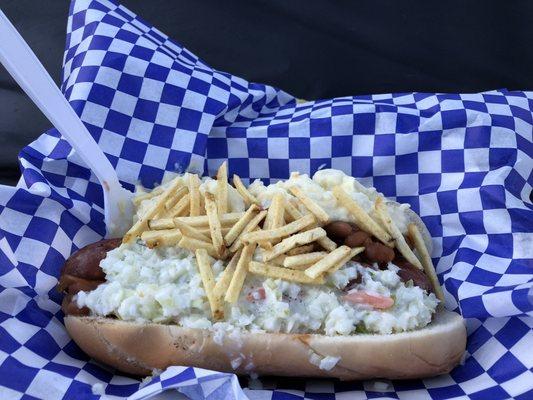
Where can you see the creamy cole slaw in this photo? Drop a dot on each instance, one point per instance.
(164, 284)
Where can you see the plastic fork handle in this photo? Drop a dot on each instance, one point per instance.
(25, 68)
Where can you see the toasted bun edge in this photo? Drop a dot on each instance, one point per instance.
(138, 349)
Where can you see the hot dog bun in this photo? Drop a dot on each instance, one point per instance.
(137, 349)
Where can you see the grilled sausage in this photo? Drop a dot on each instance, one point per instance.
(82, 272)
(85, 263)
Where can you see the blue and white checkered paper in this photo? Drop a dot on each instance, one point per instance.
(464, 163)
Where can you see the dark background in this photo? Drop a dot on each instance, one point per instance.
(312, 49)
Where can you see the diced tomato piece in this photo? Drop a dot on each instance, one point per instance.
(257, 294)
(374, 300)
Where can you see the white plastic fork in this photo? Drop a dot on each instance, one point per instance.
(25, 68)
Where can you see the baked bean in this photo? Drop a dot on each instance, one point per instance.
(338, 230)
(357, 239)
(379, 253)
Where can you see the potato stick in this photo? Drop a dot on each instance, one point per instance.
(205, 230)
(194, 195)
(302, 267)
(161, 224)
(191, 231)
(142, 223)
(184, 212)
(401, 244)
(327, 244)
(327, 262)
(281, 232)
(221, 287)
(363, 220)
(176, 198)
(429, 269)
(202, 204)
(194, 244)
(238, 243)
(281, 221)
(263, 244)
(163, 237)
(301, 250)
(214, 223)
(167, 223)
(179, 207)
(303, 259)
(248, 198)
(236, 229)
(291, 211)
(278, 219)
(169, 204)
(208, 281)
(267, 223)
(278, 260)
(235, 286)
(286, 274)
(145, 196)
(294, 241)
(200, 221)
(275, 212)
(222, 189)
(203, 220)
(355, 251)
(310, 204)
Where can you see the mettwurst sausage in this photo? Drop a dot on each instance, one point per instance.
(82, 272)
(85, 263)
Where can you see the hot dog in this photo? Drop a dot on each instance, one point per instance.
(310, 282)
(82, 272)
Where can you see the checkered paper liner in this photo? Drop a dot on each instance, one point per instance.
(463, 162)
